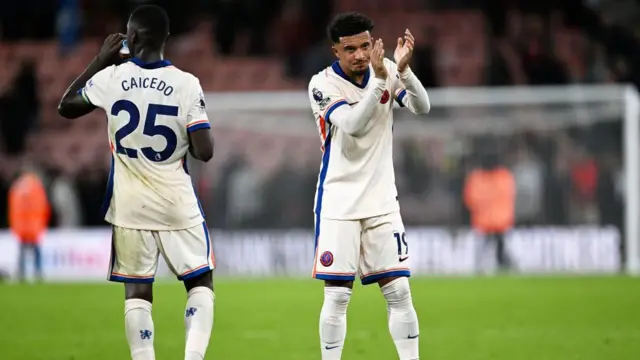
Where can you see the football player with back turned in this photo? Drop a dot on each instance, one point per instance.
(156, 114)
(357, 217)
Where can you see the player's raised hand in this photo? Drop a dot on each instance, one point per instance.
(110, 49)
(404, 50)
(377, 60)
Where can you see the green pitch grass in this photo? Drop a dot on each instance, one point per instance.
(502, 318)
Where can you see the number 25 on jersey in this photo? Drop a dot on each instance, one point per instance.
(150, 129)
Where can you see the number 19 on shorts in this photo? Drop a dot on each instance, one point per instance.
(403, 248)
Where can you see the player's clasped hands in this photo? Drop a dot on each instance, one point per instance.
(377, 60)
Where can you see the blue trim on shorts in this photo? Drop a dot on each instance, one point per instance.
(377, 277)
(195, 273)
(123, 279)
(335, 277)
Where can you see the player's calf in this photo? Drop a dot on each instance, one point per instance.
(138, 320)
(333, 318)
(198, 317)
(403, 320)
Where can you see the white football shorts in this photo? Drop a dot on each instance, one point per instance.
(134, 253)
(374, 248)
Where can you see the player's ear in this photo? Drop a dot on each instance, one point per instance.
(335, 51)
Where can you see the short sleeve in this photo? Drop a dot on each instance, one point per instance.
(399, 92)
(324, 98)
(96, 90)
(197, 116)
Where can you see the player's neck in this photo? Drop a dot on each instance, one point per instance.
(149, 56)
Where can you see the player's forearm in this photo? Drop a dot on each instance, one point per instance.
(70, 106)
(416, 98)
(354, 120)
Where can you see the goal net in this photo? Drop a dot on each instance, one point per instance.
(572, 150)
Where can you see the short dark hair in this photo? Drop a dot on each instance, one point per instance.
(348, 24)
(153, 24)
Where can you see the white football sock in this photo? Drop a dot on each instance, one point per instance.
(139, 329)
(198, 321)
(403, 320)
(333, 321)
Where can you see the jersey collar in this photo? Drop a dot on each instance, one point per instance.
(338, 70)
(151, 65)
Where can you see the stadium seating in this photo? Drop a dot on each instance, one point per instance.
(461, 61)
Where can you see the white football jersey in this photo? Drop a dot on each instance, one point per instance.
(356, 178)
(151, 108)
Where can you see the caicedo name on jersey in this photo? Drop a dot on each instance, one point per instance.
(147, 83)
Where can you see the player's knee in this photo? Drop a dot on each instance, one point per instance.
(337, 297)
(139, 291)
(397, 292)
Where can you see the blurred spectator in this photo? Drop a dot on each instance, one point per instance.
(244, 196)
(68, 24)
(233, 17)
(424, 58)
(293, 36)
(489, 194)
(529, 178)
(19, 109)
(557, 188)
(91, 183)
(64, 200)
(414, 166)
(584, 177)
(29, 215)
(609, 197)
(285, 191)
(598, 69)
(540, 67)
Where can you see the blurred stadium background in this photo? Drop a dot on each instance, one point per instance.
(483, 62)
